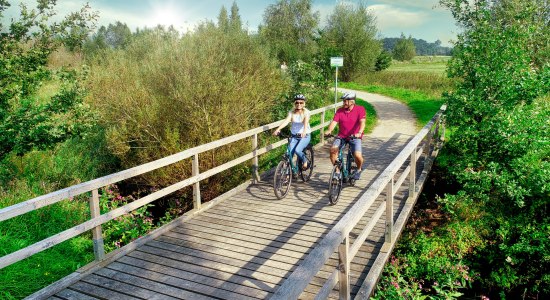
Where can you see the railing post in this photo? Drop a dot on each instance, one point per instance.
(255, 175)
(412, 175)
(428, 142)
(323, 126)
(196, 185)
(343, 266)
(389, 212)
(97, 237)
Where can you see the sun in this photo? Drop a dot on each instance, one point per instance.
(166, 15)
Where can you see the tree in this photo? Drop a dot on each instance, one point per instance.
(28, 122)
(500, 108)
(383, 61)
(351, 30)
(223, 19)
(404, 49)
(289, 29)
(235, 18)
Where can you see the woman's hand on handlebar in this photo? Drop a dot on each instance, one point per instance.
(276, 132)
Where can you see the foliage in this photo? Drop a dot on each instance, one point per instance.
(422, 47)
(383, 61)
(288, 29)
(188, 91)
(230, 22)
(24, 277)
(501, 147)
(28, 122)
(404, 49)
(351, 32)
(126, 228)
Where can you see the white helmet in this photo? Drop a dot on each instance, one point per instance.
(348, 96)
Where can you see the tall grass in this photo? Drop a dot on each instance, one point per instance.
(419, 75)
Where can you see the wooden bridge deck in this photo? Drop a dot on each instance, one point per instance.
(245, 246)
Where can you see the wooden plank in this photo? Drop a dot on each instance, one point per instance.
(123, 287)
(99, 292)
(73, 295)
(165, 284)
(192, 273)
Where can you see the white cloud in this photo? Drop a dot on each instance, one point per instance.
(389, 17)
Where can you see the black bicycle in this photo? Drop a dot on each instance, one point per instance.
(343, 171)
(286, 170)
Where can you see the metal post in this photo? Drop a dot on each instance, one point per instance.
(255, 174)
(97, 237)
(336, 90)
(343, 266)
(389, 212)
(196, 185)
(412, 176)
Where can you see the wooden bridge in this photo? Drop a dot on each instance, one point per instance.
(246, 244)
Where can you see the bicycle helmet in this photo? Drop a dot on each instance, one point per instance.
(348, 96)
(299, 97)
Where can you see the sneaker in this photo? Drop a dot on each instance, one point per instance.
(357, 175)
(305, 165)
(336, 176)
(294, 176)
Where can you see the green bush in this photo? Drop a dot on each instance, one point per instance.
(184, 92)
(500, 146)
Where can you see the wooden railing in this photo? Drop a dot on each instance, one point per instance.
(93, 186)
(338, 239)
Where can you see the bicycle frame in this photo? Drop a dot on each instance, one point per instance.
(345, 167)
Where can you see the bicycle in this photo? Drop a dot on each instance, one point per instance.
(343, 171)
(286, 169)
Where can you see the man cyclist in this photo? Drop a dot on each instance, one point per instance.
(351, 122)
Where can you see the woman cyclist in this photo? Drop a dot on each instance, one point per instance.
(300, 129)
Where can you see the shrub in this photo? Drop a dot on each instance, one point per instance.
(184, 92)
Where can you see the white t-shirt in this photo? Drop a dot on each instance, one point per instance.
(297, 122)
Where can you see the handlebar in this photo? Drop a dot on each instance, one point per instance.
(349, 138)
(284, 135)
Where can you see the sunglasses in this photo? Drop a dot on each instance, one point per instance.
(299, 102)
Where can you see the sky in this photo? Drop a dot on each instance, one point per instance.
(421, 19)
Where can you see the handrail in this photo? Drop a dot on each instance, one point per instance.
(93, 185)
(338, 236)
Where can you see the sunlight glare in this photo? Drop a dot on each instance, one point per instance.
(167, 15)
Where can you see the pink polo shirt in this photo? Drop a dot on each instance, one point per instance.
(349, 122)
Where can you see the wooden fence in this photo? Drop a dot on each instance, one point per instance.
(93, 186)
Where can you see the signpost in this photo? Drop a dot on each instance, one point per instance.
(336, 62)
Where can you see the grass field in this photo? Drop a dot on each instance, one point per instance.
(424, 74)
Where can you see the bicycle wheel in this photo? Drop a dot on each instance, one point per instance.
(306, 174)
(282, 179)
(335, 185)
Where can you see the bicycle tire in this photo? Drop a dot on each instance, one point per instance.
(282, 179)
(334, 185)
(310, 155)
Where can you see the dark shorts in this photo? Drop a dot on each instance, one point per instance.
(355, 144)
